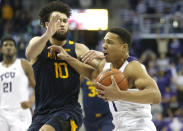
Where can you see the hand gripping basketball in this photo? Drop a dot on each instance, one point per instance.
(104, 78)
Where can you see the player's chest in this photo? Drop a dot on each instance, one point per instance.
(10, 74)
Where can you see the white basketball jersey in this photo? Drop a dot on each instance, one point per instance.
(13, 86)
(129, 116)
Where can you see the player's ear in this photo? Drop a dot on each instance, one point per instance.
(125, 46)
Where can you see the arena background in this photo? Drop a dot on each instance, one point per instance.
(157, 30)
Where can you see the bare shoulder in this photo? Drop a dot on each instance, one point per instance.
(135, 69)
(81, 49)
(34, 39)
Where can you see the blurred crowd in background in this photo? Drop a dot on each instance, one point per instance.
(162, 56)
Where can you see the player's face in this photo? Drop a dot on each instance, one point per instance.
(113, 48)
(62, 32)
(8, 48)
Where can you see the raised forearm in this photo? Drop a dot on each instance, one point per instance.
(82, 68)
(146, 96)
(36, 46)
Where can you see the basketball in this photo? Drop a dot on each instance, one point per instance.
(104, 78)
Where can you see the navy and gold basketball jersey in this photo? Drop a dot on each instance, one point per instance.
(57, 83)
(92, 104)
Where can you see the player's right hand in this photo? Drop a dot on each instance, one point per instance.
(26, 104)
(53, 25)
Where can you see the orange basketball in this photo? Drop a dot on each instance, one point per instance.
(105, 78)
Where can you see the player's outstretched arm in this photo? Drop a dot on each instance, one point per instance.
(95, 59)
(89, 56)
(37, 44)
(136, 73)
(92, 58)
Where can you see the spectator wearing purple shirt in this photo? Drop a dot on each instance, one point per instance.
(175, 47)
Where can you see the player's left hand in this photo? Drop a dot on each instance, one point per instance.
(109, 93)
(26, 104)
(62, 54)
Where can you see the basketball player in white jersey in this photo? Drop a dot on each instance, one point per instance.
(16, 76)
(131, 109)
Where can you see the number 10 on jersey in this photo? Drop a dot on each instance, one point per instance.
(61, 70)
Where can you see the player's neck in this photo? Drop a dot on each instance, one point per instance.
(119, 63)
(7, 61)
(56, 42)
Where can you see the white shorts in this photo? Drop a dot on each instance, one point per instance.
(16, 120)
(133, 124)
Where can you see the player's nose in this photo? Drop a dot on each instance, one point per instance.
(104, 46)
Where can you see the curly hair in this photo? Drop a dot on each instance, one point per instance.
(46, 11)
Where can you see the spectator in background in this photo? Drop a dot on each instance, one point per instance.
(173, 107)
(141, 7)
(175, 47)
(21, 48)
(6, 10)
(147, 56)
(152, 70)
(166, 98)
(178, 81)
(179, 65)
(162, 62)
(162, 80)
(136, 46)
(160, 123)
(175, 125)
(162, 44)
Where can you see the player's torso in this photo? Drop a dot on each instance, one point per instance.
(13, 85)
(93, 105)
(123, 110)
(57, 83)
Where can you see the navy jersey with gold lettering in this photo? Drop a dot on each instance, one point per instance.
(57, 83)
(92, 104)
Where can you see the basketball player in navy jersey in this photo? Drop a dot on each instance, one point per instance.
(97, 114)
(57, 80)
(16, 76)
(131, 109)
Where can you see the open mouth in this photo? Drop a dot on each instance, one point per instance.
(105, 54)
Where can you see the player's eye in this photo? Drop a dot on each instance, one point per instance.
(65, 20)
(109, 42)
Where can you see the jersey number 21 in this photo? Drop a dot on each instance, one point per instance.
(7, 87)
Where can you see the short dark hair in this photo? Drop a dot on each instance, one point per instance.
(8, 39)
(46, 11)
(124, 35)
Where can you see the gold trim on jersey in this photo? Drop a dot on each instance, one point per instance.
(98, 114)
(73, 125)
(53, 56)
(71, 42)
(68, 50)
